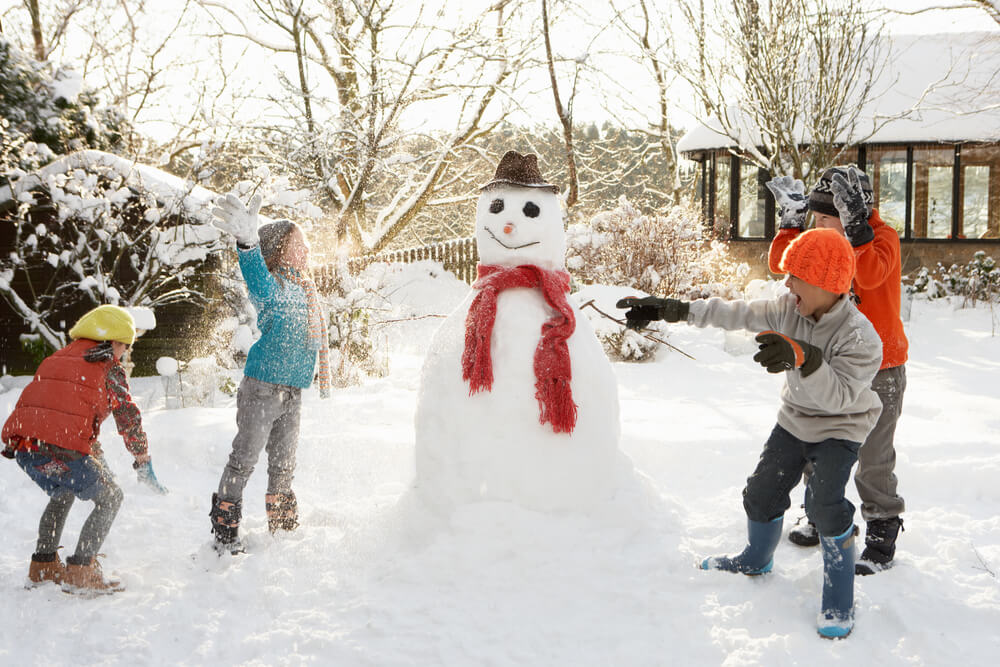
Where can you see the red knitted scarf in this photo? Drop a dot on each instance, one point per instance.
(552, 364)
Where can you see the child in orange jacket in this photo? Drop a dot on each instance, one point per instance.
(843, 200)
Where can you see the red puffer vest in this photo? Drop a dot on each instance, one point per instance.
(66, 402)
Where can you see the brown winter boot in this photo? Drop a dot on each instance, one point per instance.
(282, 511)
(46, 567)
(86, 578)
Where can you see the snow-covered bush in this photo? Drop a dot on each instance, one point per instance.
(658, 254)
(353, 304)
(976, 280)
(86, 236)
(597, 304)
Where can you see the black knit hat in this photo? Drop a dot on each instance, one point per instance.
(271, 235)
(821, 196)
(519, 170)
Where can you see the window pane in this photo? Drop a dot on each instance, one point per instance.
(888, 174)
(751, 203)
(722, 171)
(981, 192)
(933, 169)
(975, 201)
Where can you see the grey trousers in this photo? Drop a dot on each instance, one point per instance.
(267, 416)
(97, 525)
(875, 478)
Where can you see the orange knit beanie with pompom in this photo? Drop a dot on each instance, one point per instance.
(821, 257)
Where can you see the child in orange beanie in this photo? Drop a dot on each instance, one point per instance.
(829, 353)
(843, 200)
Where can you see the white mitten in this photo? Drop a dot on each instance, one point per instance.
(790, 196)
(236, 219)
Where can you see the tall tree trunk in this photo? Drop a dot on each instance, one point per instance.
(565, 118)
(36, 29)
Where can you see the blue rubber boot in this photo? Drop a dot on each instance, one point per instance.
(758, 556)
(836, 619)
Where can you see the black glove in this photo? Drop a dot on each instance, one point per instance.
(780, 353)
(642, 311)
(850, 203)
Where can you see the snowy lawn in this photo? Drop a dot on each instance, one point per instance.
(374, 578)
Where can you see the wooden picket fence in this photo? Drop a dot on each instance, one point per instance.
(459, 256)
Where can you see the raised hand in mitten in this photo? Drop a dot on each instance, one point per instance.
(646, 309)
(236, 219)
(849, 199)
(780, 353)
(790, 195)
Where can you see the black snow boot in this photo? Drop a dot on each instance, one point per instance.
(880, 546)
(282, 511)
(226, 517)
(804, 534)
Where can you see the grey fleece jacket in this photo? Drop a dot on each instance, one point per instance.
(836, 400)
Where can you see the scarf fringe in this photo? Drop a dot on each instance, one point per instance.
(555, 403)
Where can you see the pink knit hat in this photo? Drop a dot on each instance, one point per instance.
(821, 257)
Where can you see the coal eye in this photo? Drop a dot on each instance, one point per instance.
(496, 206)
(531, 209)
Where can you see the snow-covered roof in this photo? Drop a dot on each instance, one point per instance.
(935, 88)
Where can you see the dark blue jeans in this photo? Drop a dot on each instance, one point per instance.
(779, 470)
(86, 478)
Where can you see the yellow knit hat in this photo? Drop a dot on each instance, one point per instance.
(105, 323)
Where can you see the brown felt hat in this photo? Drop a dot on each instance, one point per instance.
(519, 170)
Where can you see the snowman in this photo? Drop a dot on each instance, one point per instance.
(518, 401)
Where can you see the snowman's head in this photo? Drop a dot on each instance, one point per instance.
(518, 218)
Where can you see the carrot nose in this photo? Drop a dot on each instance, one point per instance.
(508, 228)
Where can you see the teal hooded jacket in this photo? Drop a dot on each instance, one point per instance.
(285, 353)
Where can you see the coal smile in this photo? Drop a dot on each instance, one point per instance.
(509, 247)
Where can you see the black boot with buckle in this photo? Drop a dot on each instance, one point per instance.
(880, 546)
(226, 517)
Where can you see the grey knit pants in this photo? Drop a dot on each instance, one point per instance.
(95, 529)
(875, 478)
(267, 416)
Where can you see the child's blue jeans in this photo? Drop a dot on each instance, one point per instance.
(82, 477)
(779, 470)
(86, 478)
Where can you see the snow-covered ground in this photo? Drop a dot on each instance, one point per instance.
(374, 578)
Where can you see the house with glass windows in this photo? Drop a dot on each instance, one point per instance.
(934, 165)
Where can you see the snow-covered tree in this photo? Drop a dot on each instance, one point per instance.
(786, 81)
(361, 79)
(647, 41)
(51, 112)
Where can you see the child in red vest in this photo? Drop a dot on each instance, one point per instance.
(52, 433)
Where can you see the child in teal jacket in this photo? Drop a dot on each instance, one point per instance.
(274, 260)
